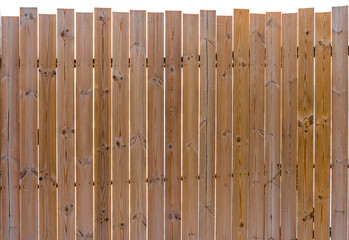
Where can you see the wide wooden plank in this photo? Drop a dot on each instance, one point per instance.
(84, 128)
(190, 125)
(120, 124)
(241, 133)
(224, 128)
(289, 126)
(28, 42)
(156, 88)
(208, 83)
(257, 79)
(272, 125)
(305, 118)
(9, 111)
(65, 124)
(322, 125)
(47, 127)
(173, 37)
(339, 208)
(102, 125)
(138, 141)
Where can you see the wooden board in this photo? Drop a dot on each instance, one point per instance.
(224, 128)
(65, 124)
(289, 126)
(120, 124)
(173, 37)
(241, 138)
(10, 148)
(208, 88)
(305, 118)
(138, 141)
(190, 125)
(47, 127)
(84, 128)
(339, 208)
(156, 87)
(102, 128)
(257, 79)
(322, 125)
(28, 37)
(272, 125)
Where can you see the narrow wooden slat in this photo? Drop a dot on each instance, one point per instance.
(339, 208)
(224, 128)
(156, 126)
(190, 125)
(208, 81)
(47, 127)
(173, 36)
(322, 125)
(272, 125)
(241, 122)
(305, 123)
(28, 123)
(65, 124)
(289, 126)
(10, 150)
(138, 141)
(102, 125)
(257, 78)
(84, 127)
(120, 122)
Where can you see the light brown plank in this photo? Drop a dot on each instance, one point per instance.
(272, 125)
(322, 125)
(47, 127)
(289, 126)
(156, 125)
(173, 36)
(190, 125)
(208, 88)
(102, 128)
(257, 79)
(28, 30)
(120, 121)
(10, 152)
(65, 124)
(241, 122)
(84, 128)
(224, 128)
(305, 117)
(339, 209)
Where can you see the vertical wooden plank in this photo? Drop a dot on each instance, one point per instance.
(190, 125)
(257, 78)
(339, 209)
(156, 125)
(120, 122)
(322, 125)
(289, 126)
(65, 124)
(272, 125)
(173, 37)
(47, 127)
(28, 123)
(224, 128)
(138, 141)
(84, 127)
(208, 81)
(241, 122)
(305, 122)
(10, 152)
(102, 128)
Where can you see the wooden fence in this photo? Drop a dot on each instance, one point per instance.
(168, 126)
